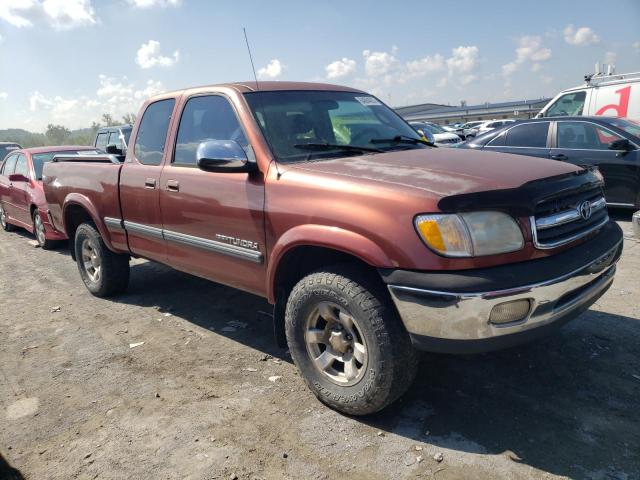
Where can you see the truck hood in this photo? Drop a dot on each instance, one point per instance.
(442, 172)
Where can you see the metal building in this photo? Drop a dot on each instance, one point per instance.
(446, 114)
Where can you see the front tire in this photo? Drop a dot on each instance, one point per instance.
(40, 232)
(103, 272)
(4, 223)
(348, 342)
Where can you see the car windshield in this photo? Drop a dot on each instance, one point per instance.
(340, 122)
(7, 149)
(435, 128)
(39, 159)
(630, 126)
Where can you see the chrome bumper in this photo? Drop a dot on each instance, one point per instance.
(466, 316)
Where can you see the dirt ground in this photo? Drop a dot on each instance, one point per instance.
(208, 395)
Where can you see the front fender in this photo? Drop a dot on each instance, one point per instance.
(325, 236)
(77, 199)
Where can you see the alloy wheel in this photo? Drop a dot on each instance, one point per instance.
(39, 229)
(91, 260)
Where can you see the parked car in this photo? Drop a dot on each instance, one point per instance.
(608, 95)
(441, 138)
(22, 202)
(6, 148)
(492, 124)
(611, 144)
(470, 129)
(369, 243)
(113, 140)
(454, 129)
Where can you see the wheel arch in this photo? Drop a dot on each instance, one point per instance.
(78, 210)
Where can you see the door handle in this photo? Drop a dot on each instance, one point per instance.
(150, 183)
(560, 156)
(173, 186)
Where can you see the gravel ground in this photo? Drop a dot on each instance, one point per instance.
(209, 395)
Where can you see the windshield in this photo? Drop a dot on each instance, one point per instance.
(39, 159)
(434, 128)
(630, 126)
(291, 119)
(7, 149)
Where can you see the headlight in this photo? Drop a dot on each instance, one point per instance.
(470, 234)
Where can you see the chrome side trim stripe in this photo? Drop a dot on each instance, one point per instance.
(214, 246)
(567, 216)
(183, 239)
(113, 224)
(144, 230)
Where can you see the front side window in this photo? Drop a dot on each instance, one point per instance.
(22, 167)
(9, 165)
(206, 118)
(294, 122)
(571, 104)
(532, 135)
(584, 136)
(152, 133)
(115, 139)
(101, 141)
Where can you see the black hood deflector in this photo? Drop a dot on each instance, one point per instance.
(522, 201)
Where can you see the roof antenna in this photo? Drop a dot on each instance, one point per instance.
(251, 58)
(253, 68)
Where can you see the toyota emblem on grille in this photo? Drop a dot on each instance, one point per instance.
(585, 209)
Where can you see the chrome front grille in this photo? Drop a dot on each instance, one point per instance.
(562, 220)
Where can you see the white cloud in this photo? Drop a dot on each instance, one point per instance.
(580, 37)
(636, 45)
(60, 14)
(272, 70)
(610, 58)
(341, 68)
(378, 63)
(4, 95)
(463, 60)
(426, 65)
(149, 56)
(116, 96)
(154, 3)
(530, 50)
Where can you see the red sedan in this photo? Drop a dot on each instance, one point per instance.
(22, 202)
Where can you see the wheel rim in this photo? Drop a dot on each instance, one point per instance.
(91, 260)
(3, 217)
(39, 228)
(335, 344)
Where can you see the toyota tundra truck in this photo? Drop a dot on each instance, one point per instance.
(370, 244)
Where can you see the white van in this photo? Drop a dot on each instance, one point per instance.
(610, 95)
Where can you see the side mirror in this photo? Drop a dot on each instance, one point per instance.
(112, 149)
(621, 144)
(18, 178)
(223, 156)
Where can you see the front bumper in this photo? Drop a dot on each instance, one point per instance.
(458, 320)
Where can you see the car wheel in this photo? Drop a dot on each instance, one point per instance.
(103, 272)
(4, 222)
(40, 232)
(348, 342)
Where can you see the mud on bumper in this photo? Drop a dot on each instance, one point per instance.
(464, 311)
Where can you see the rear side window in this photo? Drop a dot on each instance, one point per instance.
(9, 165)
(152, 133)
(101, 140)
(532, 135)
(114, 139)
(206, 118)
(571, 104)
(21, 166)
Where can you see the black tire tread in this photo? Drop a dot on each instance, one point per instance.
(114, 266)
(400, 360)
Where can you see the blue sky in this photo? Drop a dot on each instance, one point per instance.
(68, 61)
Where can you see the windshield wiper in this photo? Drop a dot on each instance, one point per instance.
(402, 139)
(336, 146)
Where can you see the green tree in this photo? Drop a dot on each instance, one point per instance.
(57, 134)
(108, 120)
(129, 118)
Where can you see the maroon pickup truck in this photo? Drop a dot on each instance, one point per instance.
(370, 244)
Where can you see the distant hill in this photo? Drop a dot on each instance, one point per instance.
(83, 136)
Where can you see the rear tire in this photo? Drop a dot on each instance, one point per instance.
(103, 272)
(6, 226)
(40, 232)
(347, 341)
